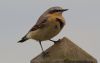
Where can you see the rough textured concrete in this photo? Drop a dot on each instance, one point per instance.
(64, 51)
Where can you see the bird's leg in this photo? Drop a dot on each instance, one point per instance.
(44, 54)
(41, 46)
(55, 41)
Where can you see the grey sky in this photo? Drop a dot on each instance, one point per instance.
(18, 16)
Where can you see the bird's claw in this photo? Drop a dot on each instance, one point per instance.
(45, 54)
(55, 41)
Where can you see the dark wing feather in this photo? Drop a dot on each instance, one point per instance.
(40, 23)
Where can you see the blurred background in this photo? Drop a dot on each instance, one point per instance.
(18, 16)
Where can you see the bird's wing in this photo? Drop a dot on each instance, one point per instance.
(40, 23)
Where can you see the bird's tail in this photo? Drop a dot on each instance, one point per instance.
(23, 39)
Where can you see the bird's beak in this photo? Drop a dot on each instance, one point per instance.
(64, 10)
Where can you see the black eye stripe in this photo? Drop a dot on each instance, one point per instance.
(55, 11)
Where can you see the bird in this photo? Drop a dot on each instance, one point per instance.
(49, 24)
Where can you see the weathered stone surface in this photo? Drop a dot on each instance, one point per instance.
(64, 51)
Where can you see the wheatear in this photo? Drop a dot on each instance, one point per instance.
(48, 25)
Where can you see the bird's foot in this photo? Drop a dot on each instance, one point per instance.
(45, 54)
(55, 41)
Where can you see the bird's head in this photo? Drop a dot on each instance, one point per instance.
(57, 10)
